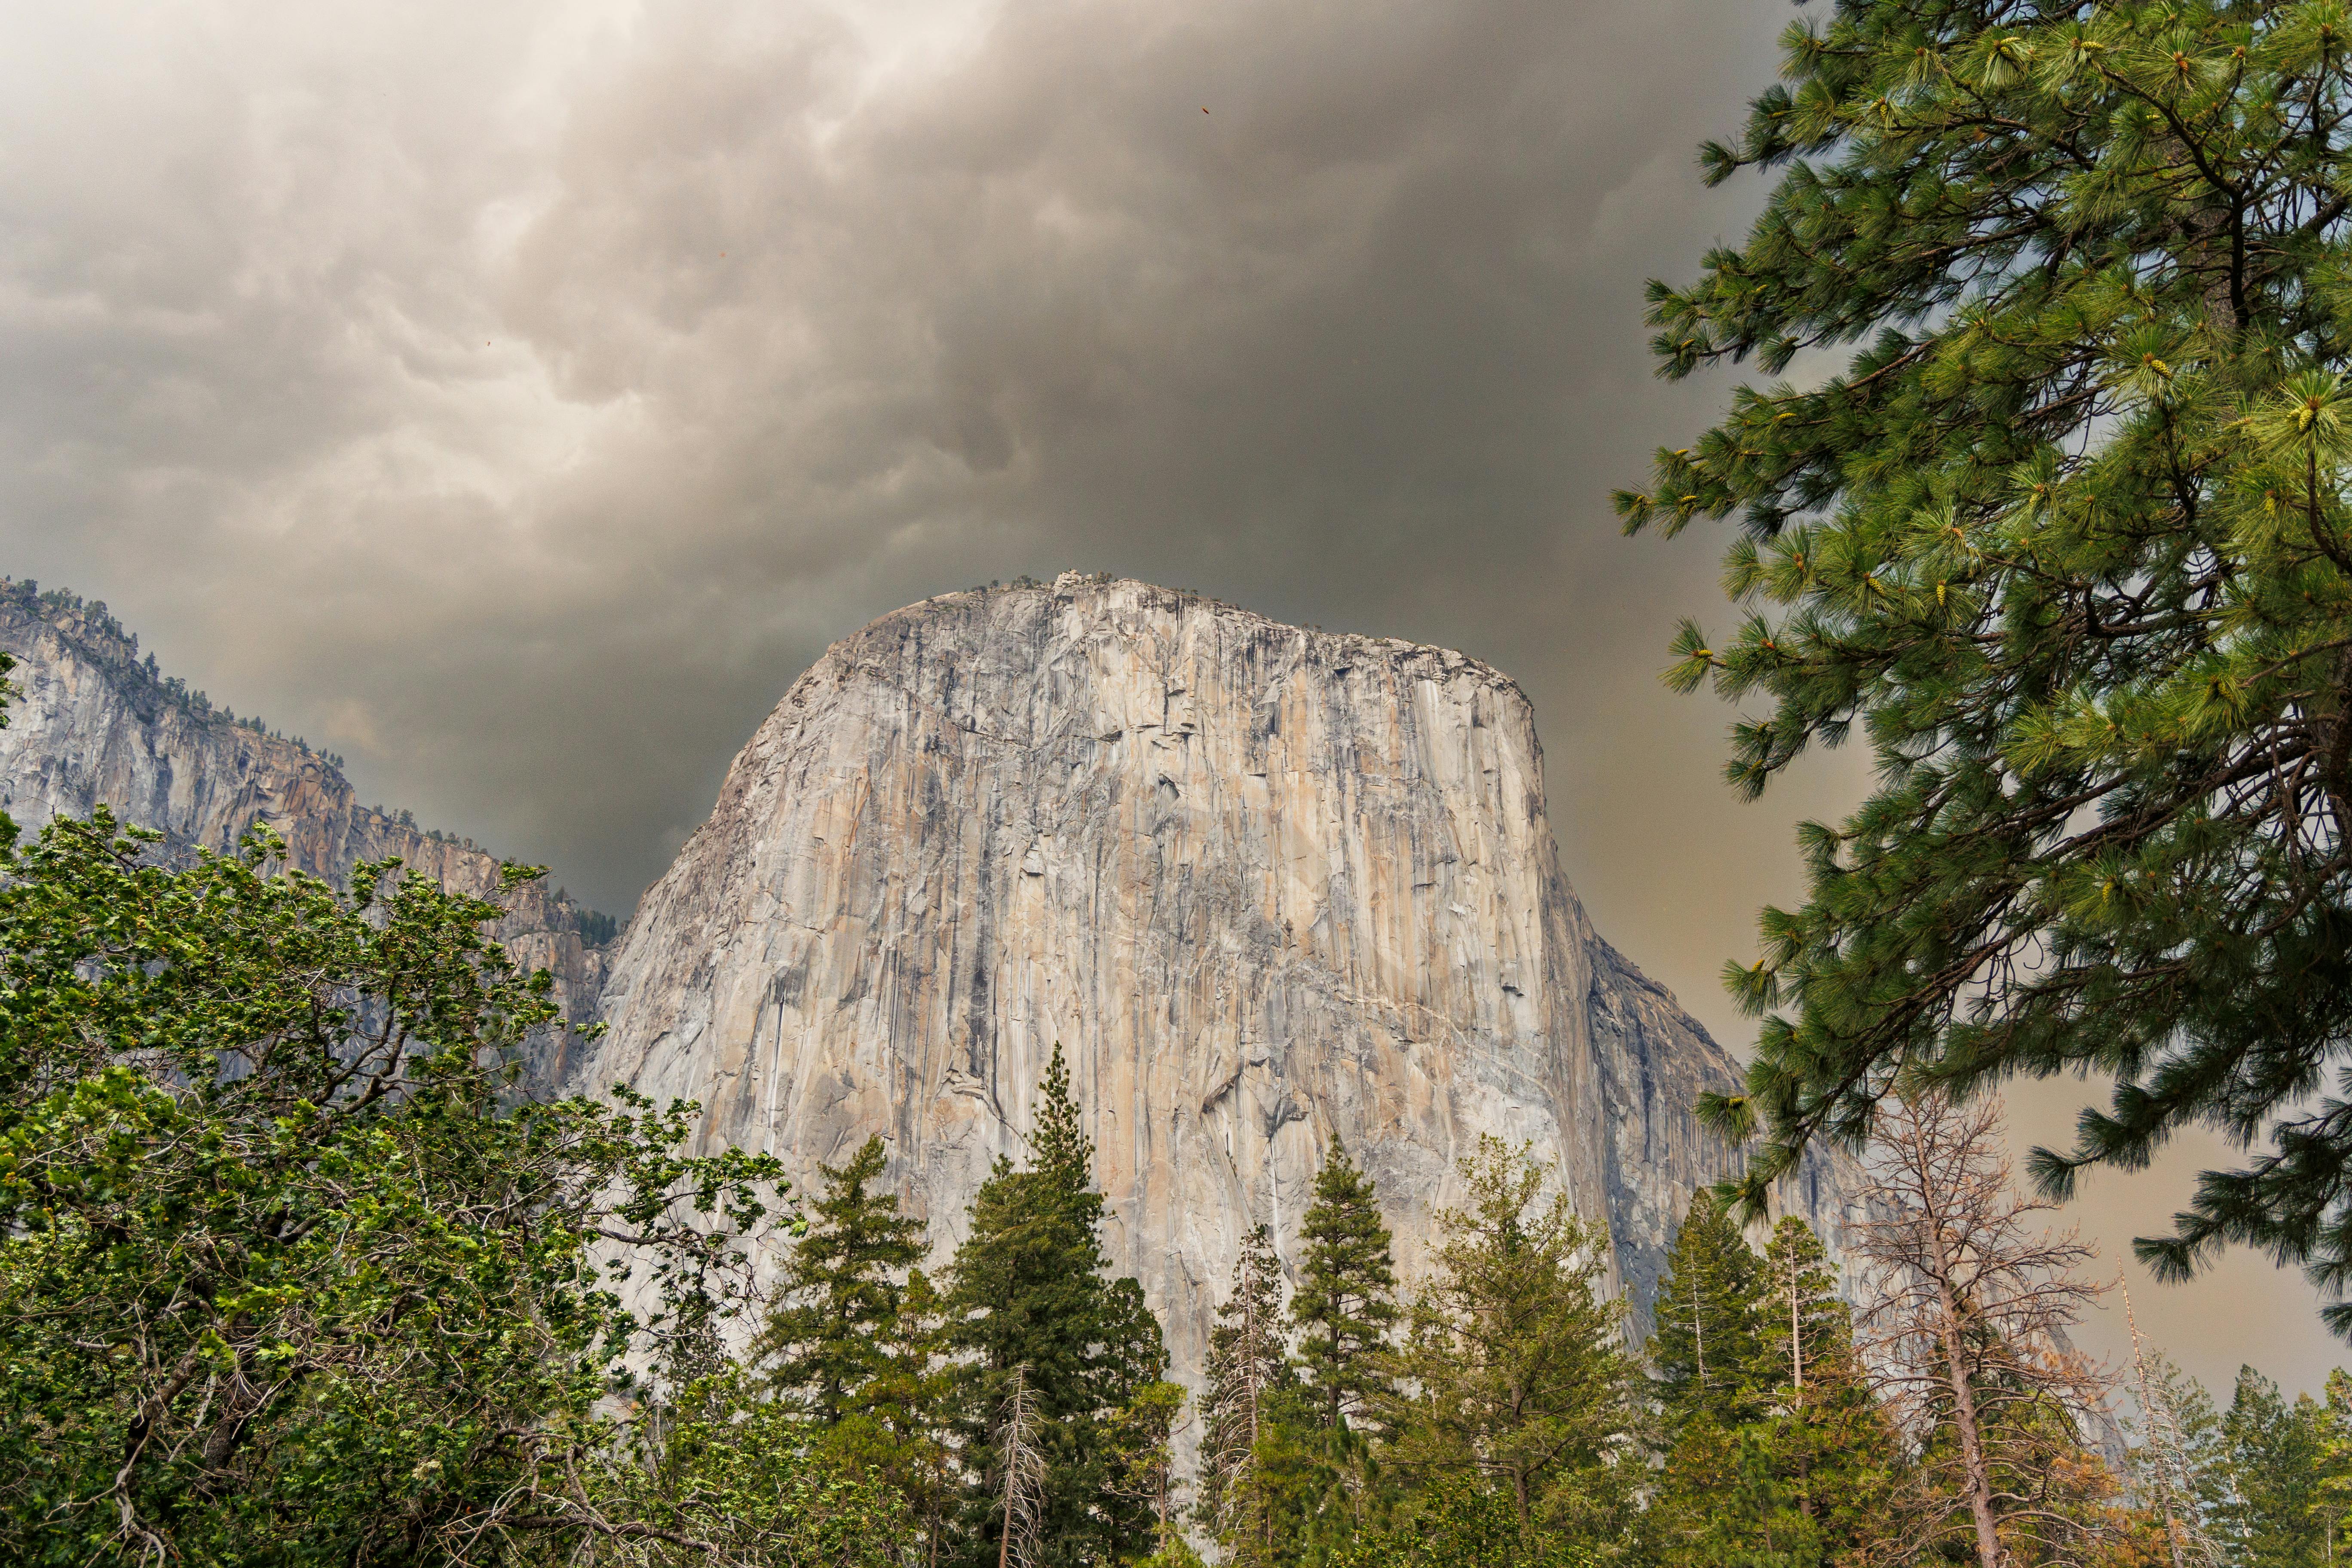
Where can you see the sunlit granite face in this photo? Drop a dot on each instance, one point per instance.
(1266, 888)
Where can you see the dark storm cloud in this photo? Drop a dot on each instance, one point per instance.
(515, 401)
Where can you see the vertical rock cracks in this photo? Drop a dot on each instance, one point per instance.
(1264, 886)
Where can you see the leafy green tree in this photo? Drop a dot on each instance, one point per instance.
(286, 1274)
(1027, 1295)
(1703, 1349)
(1347, 1304)
(1462, 1522)
(1513, 1353)
(739, 1478)
(2067, 537)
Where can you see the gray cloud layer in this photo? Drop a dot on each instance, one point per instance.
(516, 398)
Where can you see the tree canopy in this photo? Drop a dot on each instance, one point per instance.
(285, 1276)
(2066, 537)
(1346, 1301)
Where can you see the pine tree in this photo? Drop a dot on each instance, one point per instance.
(1460, 1522)
(2334, 1488)
(1703, 1349)
(2069, 539)
(1820, 1461)
(1798, 1469)
(1143, 1443)
(1276, 1485)
(2180, 1463)
(836, 1330)
(2275, 1514)
(1028, 1297)
(853, 1341)
(1347, 1305)
(1801, 1319)
(1520, 1381)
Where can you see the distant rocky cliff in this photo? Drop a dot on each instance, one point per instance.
(1266, 888)
(94, 724)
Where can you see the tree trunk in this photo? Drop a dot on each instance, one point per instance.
(1797, 1375)
(1977, 1471)
(1796, 1336)
(1698, 1335)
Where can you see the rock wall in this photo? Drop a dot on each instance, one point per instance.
(1266, 888)
(93, 724)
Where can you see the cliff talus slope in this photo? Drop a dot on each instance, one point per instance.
(1266, 888)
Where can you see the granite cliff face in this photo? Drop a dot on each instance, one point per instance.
(95, 725)
(1266, 888)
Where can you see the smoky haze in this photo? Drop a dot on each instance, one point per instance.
(515, 399)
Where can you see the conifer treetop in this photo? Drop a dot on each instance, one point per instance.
(1060, 1144)
(1703, 1348)
(1347, 1302)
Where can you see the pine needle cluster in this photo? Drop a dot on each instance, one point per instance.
(2067, 540)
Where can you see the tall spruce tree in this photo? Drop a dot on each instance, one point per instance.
(1703, 1348)
(1347, 1304)
(2069, 539)
(1798, 1473)
(1028, 1293)
(835, 1330)
(852, 1340)
(1800, 1319)
(1821, 1458)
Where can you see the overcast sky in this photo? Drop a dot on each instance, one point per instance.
(515, 397)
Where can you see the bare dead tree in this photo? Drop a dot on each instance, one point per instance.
(2166, 1463)
(1239, 1403)
(1021, 1488)
(1967, 1342)
(1246, 1353)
